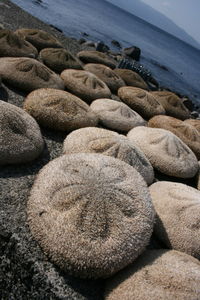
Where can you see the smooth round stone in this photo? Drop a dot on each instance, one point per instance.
(20, 137)
(91, 214)
(178, 213)
(107, 75)
(85, 85)
(13, 45)
(165, 151)
(116, 115)
(97, 57)
(172, 104)
(39, 38)
(186, 132)
(194, 122)
(60, 110)
(157, 275)
(28, 74)
(141, 101)
(131, 78)
(59, 59)
(98, 140)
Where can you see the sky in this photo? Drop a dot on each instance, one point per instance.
(185, 13)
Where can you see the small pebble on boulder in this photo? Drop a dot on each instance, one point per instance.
(90, 213)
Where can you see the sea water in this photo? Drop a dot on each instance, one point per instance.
(105, 22)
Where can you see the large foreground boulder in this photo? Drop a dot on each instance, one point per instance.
(157, 275)
(90, 213)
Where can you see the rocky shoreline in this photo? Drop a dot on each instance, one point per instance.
(25, 271)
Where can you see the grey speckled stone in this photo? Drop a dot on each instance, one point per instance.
(99, 140)
(157, 275)
(91, 214)
(20, 137)
(28, 74)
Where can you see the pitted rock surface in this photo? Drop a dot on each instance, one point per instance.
(185, 131)
(131, 78)
(97, 57)
(59, 59)
(28, 74)
(178, 212)
(165, 151)
(59, 110)
(141, 101)
(20, 137)
(116, 115)
(39, 38)
(107, 75)
(98, 140)
(13, 45)
(157, 275)
(172, 104)
(85, 85)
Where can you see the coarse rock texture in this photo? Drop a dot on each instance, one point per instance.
(85, 85)
(157, 275)
(107, 75)
(172, 104)
(59, 59)
(177, 208)
(116, 115)
(165, 151)
(131, 78)
(12, 45)
(39, 38)
(25, 272)
(59, 110)
(194, 122)
(28, 74)
(198, 178)
(97, 57)
(99, 140)
(185, 131)
(20, 137)
(90, 213)
(141, 101)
